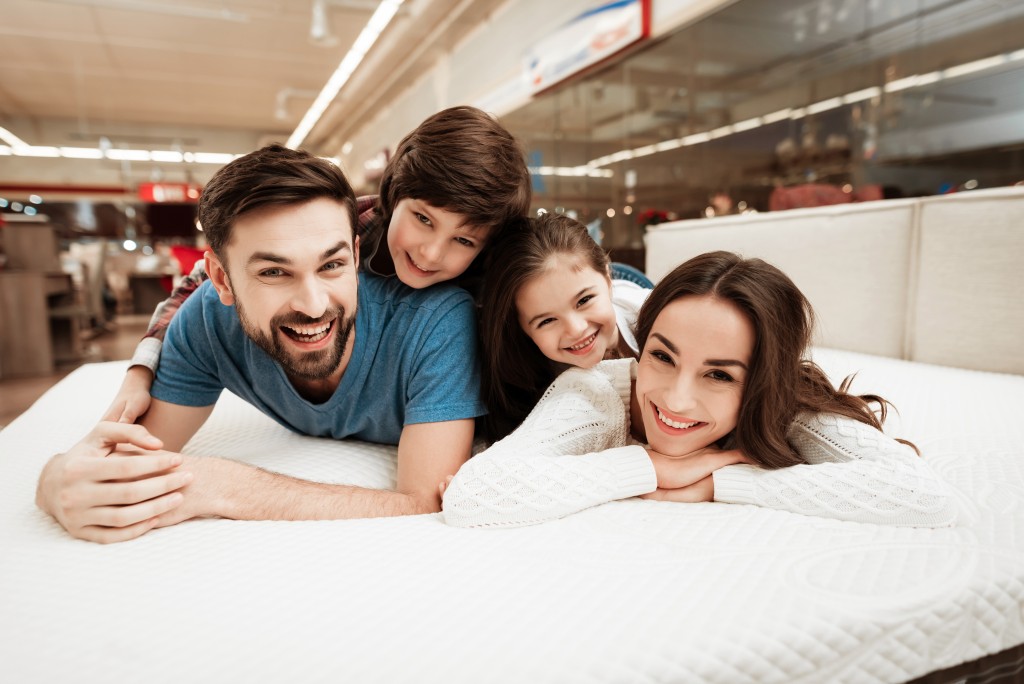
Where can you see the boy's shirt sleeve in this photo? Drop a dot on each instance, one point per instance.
(445, 384)
(187, 374)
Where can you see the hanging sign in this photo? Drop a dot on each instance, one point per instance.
(592, 37)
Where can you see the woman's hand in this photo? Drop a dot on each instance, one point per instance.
(675, 472)
(133, 398)
(700, 491)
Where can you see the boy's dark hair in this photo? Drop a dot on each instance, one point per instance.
(464, 161)
(273, 175)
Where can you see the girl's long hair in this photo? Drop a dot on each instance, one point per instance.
(780, 382)
(514, 371)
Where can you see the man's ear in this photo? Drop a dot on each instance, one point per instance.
(219, 276)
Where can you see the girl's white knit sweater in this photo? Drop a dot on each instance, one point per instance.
(574, 451)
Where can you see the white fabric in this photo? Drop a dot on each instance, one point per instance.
(852, 261)
(629, 591)
(547, 468)
(627, 298)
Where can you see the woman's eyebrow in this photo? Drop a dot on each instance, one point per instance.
(664, 340)
(725, 362)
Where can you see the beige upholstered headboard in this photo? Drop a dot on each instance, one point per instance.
(938, 280)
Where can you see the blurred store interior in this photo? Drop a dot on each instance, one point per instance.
(114, 113)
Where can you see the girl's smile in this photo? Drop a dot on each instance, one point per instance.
(567, 312)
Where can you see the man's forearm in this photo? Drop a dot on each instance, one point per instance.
(230, 489)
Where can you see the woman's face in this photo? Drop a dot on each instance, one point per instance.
(691, 373)
(567, 312)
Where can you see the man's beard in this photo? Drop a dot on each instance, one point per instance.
(311, 365)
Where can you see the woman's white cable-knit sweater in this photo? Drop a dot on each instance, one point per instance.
(574, 451)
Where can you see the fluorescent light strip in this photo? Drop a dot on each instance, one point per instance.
(81, 152)
(11, 139)
(976, 66)
(571, 171)
(367, 37)
(824, 105)
(128, 155)
(913, 81)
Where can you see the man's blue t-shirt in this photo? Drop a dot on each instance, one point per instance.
(414, 360)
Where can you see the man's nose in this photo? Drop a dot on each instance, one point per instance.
(310, 298)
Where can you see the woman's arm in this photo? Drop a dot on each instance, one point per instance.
(853, 472)
(132, 398)
(568, 455)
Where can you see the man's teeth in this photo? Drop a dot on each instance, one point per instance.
(675, 424)
(314, 334)
(582, 345)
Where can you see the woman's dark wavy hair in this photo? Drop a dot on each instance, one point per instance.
(514, 371)
(780, 382)
(462, 160)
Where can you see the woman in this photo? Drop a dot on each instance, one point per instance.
(722, 406)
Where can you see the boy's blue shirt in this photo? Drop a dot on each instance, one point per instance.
(414, 360)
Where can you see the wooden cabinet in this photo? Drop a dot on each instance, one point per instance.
(40, 315)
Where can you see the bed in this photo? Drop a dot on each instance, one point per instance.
(632, 591)
(629, 591)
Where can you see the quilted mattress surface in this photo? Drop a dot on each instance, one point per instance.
(632, 591)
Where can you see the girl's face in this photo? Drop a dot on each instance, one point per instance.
(567, 312)
(431, 245)
(691, 373)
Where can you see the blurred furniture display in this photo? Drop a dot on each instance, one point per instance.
(40, 311)
(91, 260)
(935, 279)
(147, 290)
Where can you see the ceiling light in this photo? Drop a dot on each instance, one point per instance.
(319, 28)
(378, 22)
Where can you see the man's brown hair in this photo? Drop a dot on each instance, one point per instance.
(273, 175)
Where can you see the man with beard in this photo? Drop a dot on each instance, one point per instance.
(287, 323)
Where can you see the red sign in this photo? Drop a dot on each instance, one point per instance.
(179, 193)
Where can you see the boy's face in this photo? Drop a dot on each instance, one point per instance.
(290, 271)
(431, 245)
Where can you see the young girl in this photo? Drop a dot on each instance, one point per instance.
(722, 405)
(548, 304)
(454, 185)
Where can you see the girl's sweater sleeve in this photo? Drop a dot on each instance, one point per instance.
(568, 455)
(852, 472)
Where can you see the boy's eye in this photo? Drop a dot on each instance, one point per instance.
(720, 375)
(584, 300)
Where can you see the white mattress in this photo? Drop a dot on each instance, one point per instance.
(632, 591)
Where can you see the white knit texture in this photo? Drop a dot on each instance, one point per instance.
(553, 466)
(854, 472)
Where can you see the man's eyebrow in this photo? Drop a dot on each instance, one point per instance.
(546, 314)
(278, 259)
(707, 362)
